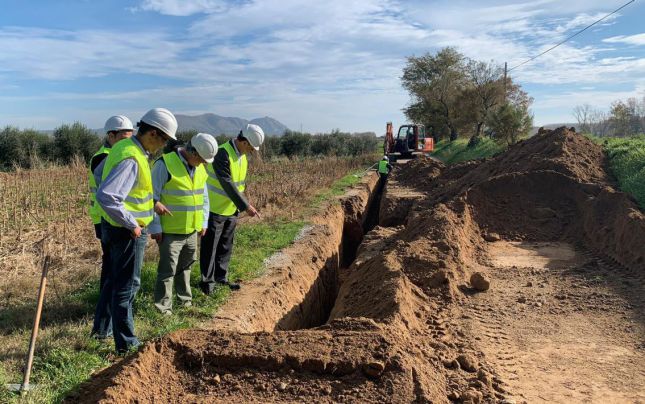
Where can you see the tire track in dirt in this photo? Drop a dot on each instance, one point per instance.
(567, 338)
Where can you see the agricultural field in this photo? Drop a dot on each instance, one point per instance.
(44, 212)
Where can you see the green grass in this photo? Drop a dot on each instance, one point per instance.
(458, 150)
(627, 162)
(337, 188)
(66, 356)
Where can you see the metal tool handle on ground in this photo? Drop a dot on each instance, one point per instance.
(34, 331)
(369, 168)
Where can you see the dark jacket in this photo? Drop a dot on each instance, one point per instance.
(222, 168)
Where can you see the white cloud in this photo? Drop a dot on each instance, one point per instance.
(183, 8)
(308, 61)
(558, 107)
(638, 39)
(67, 55)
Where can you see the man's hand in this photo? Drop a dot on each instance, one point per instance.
(161, 209)
(253, 212)
(157, 237)
(136, 232)
(202, 232)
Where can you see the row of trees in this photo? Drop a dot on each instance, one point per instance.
(30, 148)
(624, 118)
(299, 144)
(455, 96)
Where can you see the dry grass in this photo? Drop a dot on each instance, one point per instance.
(52, 202)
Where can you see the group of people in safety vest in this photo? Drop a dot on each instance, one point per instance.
(192, 194)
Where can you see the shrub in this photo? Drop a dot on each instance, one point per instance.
(74, 140)
(24, 148)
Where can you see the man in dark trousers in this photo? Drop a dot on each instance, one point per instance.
(117, 128)
(226, 183)
(127, 208)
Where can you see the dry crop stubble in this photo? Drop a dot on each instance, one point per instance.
(53, 202)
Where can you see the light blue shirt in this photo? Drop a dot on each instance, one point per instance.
(116, 187)
(160, 178)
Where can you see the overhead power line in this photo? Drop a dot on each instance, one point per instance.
(577, 33)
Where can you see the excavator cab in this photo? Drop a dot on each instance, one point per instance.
(409, 139)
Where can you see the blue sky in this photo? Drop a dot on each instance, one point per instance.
(323, 65)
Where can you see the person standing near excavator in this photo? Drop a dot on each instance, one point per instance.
(384, 168)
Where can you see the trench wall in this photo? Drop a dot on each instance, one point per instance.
(301, 282)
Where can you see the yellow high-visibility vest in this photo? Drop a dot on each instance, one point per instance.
(183, 196)
(139, 200)
(94, 209)
(382, 167)
(219, 201)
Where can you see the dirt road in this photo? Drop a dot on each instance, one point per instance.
(560, 325)
(515, 279)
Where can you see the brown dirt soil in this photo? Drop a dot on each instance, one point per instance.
(563, 320)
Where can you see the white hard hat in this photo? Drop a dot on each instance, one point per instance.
(206, 146)
(163, 120)
(254, 134)
(116, 123)
(385, 158)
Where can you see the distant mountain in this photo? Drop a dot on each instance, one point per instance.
(217, 125)
(270, 125)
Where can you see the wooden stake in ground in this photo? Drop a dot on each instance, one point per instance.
(34, 332)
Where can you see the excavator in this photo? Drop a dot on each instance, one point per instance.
(410, 140)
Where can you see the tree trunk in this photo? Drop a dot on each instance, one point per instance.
(475, 139)
(479, 129)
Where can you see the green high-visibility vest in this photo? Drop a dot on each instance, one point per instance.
(94, 209)
(139, 200)
(218, 200)
(183, 196)
(382, 167)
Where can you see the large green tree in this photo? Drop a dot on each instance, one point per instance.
(454, 95)
(510, 122)
(435, 83)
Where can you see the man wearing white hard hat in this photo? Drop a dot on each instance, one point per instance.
(117, 128)
(226, 183)
(127, 208)
(181, 204)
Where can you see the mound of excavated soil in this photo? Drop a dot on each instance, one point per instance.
(406, 325)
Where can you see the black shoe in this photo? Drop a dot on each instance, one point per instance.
(206, 288)
(232, 286)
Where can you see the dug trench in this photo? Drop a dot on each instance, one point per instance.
(517, 278)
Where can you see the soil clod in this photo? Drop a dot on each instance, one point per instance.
(480, 282)
(467, 362)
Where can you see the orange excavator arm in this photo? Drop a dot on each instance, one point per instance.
(388, 144)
